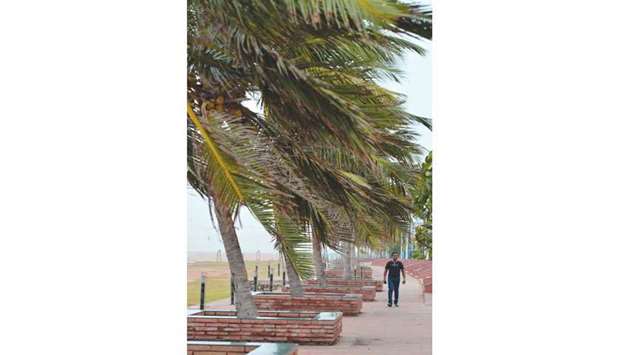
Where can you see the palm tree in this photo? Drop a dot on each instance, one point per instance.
(385, 214)
(313, 68)
(317, 259)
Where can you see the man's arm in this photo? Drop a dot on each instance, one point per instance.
(385, 272)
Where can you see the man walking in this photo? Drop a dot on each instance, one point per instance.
(393, 269)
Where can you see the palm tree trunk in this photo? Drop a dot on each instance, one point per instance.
(319, 266)
(244, 302)
(348, 261)
(297, 288)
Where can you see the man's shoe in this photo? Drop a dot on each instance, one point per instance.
(389, 305)
(396, 304)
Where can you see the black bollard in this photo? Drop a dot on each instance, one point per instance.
(203, 281)
(355, 274)
(232, 290)
(283, 279)
(269, 269)
(270, 282)
(256, 277)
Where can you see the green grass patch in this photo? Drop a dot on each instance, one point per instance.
(218, 279)
(217, 289)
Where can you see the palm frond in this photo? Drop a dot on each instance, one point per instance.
(220, 170)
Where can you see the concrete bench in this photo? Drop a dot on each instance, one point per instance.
(233, 348)
(316, 328)
(369, 293)
(348, 304)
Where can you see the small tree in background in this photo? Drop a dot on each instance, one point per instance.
(423, 209)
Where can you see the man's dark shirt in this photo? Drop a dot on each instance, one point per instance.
(394, 268)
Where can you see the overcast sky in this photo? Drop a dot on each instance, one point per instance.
(202, 236)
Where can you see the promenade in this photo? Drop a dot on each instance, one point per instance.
(382, 330)
(379, 329)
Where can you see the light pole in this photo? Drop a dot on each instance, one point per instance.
(407, 244)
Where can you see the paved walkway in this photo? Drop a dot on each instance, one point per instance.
(378, 329)
(381, 330)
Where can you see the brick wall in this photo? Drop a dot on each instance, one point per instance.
(324, 328)
(350, 283)
(369, 293)
(348, 304)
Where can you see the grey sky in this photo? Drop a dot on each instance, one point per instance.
(202, 236)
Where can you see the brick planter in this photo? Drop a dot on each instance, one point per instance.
(350, 283)
(233, 348)
(422, 270)
(427, 283)
(318, 328)
(365, 273)
(263, 285)
(369, 293)
(348, 304)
